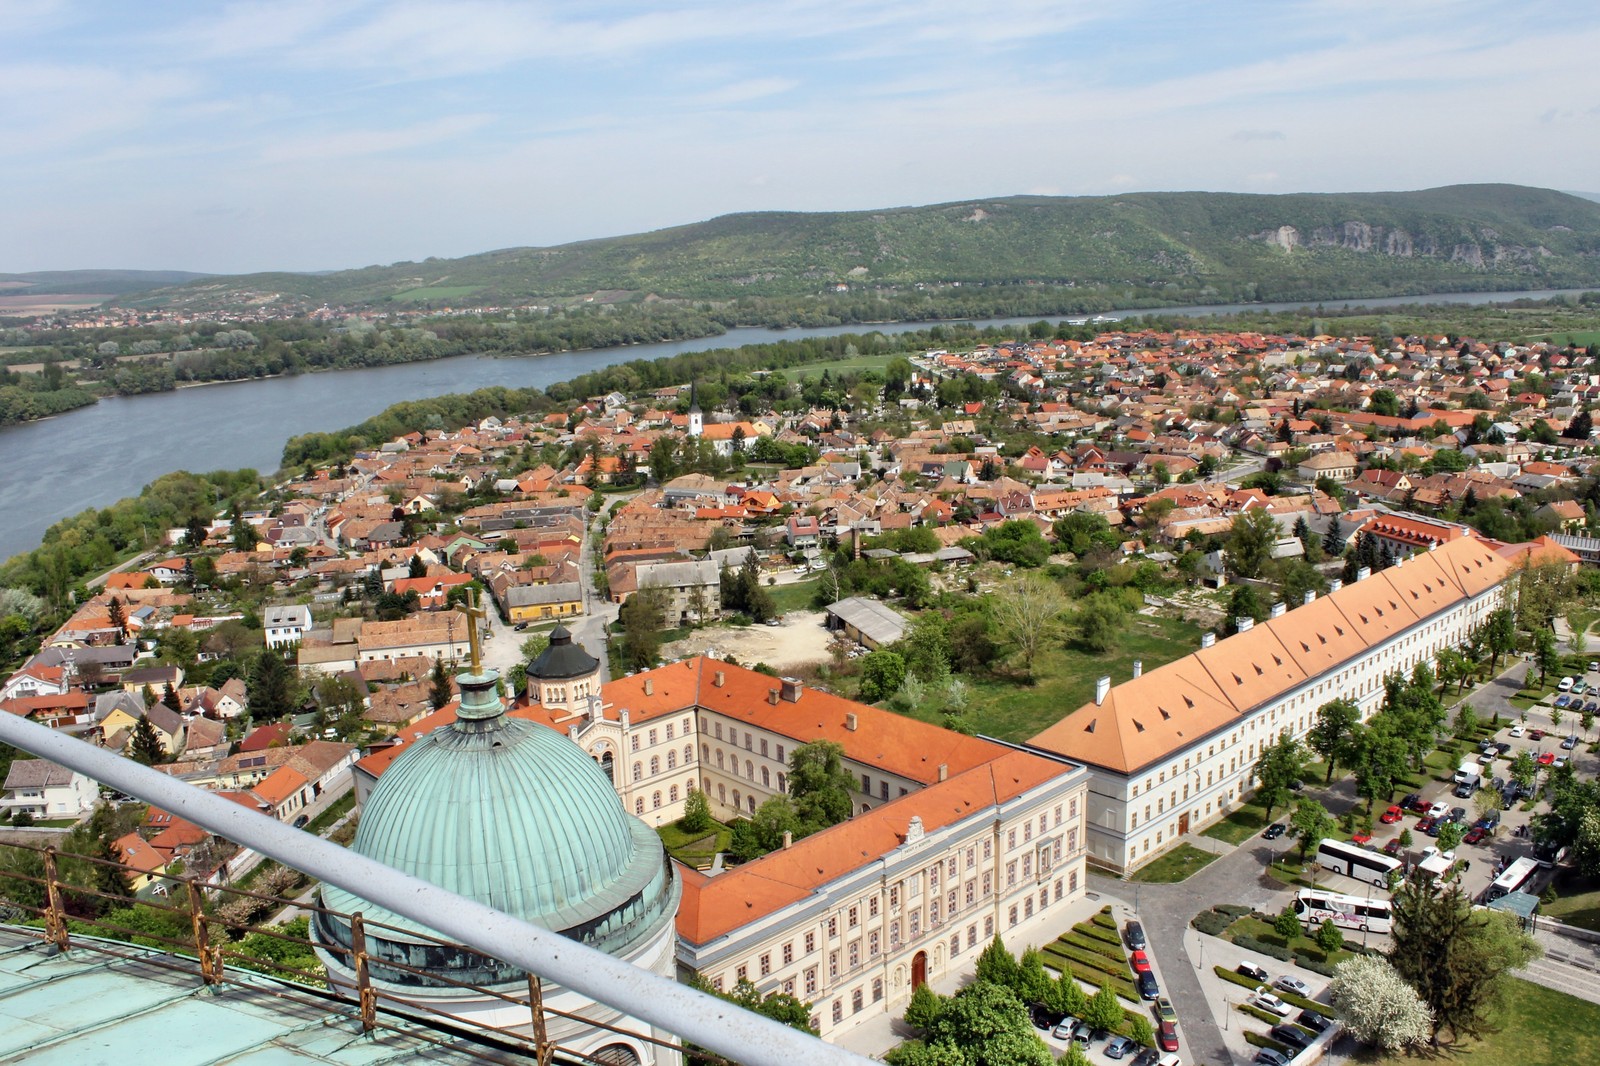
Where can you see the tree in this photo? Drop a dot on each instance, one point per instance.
(1328, 937)
(417, 568)
(1104, 1010)
(1312, 824)
(146, 746)
(1025, 611)
(819, 784)
(696, 813)
(439, 691)
(1330, 737)
(996, 964)
(990, 1027)
(1524, 769)
(642, 618)
(1546, 654)
(882, 674)
(1485, 801)
(1450, 834)
(1287, 924)
(1067, 995)
(169, 698)
(1099, 624)
(1033, 983)
(763, 832)
(925, 1007)
(1250, 541)
(1500, 630)
(1142, 1031)
(1454, 957)
(1333, 540)
(118, 618)
(1278, 768)
(270, 687)
(1378, 1006)
(1309, 541)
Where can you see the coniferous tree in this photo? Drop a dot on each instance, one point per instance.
(118, 617)
(169, 696)
(146, 746)
(439, 692)
(270, 687)
(1333, 541)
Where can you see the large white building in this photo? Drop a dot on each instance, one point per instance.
(1174, 749)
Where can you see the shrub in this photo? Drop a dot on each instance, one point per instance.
(1250, 943)
(1233, 910)
(1314, 966)
(1211, 922)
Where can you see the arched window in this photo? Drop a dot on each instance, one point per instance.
(638, 805)
(688, 754)
(655, 801)
(750, 769)
(750, 803)
(607, 765)
(738, 799)
(783, 781)
(672, 794)
(722, 793)
(719, 758)
(672, 760)
(705, 753)
(655, 764)
(638, 770)
(766, 778)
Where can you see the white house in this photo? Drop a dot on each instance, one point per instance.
(286, 624)
(44, 790)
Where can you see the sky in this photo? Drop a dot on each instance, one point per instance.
(291, 135)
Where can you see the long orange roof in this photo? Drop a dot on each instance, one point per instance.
(1167, 709)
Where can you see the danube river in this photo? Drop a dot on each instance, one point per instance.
(96, 455)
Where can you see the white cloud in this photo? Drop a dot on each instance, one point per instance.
(351, 144)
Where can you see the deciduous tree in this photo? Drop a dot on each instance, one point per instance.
(1025, 612)
(1277, 769)
(1377, 1006)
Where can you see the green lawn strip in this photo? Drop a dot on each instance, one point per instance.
(1300, 946)
(1104, 936)
(1090, 976)
(1535, 1025)
(1103, 919)
(1176, 865)
(333, 813)
(1288, 997)
(800, 596)
(1577, 902)
(1109, 967)
(1239, 825)
(1256, 1012)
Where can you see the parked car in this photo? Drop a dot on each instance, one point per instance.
(1475, 835)
(1133, 933)
(1517, 730)
(1546, 758)
(1535, 734)
(1490, 821)
(1254, 972)
(1269, 1002)
(1139, 961)
(1438, 809)
(1562, 700)
(1273, 831)
(1565, 684)
(1579, 687)
(1164, 1010)
(1594, 664)
(1391, 816)
(1267, 1057)
(1291, 983)
(1502, 748)
(1119, 1046)
(1413, 802)
(1148, 1057)
(1560, 761)
(1148, 989)
(1570, 743)
(1315, 1022)
(1045, 1018)
(1065, 1028)
(1292, 1036)
(1392, 847)
(1463, 790)
(1591, 707)
(1429, 825)
(1167, 1037)
(1457, 814)
(1362, 839)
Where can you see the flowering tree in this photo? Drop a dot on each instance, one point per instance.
(1378, 1006)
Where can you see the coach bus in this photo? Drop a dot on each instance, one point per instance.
(1314, 906)
(1352, 860)
(1515, 878)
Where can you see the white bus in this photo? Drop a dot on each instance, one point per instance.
(1314, 906)
(1352, 860)
(1516, 876)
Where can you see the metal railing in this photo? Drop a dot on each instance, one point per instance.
(693, 1016)
(65, 917)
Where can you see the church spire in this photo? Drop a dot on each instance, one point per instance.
(697, 422)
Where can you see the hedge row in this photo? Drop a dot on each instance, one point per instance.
(1250, 943)
(1235, 910)
(1091, 976)
(1257, 1012)
(1096, 933)
(1103, 918)
(1089, 959)
(1263, 1040)
(1107, 948)
(1211, 922)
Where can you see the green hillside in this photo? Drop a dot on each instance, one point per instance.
(1219, 245)
(73, 282)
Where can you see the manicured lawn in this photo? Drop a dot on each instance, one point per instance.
(1175, 865)
(1240, 825)
(333, 813)
(695, 849)
(864, 362)
(1065, 679)
(1578, 903)
(1536, 1025)
(1300, 945)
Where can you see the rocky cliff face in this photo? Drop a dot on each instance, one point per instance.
(1481, 250)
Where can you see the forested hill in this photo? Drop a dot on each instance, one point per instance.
(73, 282)
(1221, 246)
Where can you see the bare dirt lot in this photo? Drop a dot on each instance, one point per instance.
(801, 639)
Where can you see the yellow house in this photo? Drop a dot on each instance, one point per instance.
(167, 723)
(141, 863)
(532, 603)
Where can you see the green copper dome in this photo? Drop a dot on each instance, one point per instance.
(516, 816)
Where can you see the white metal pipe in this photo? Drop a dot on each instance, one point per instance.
(729, 1030)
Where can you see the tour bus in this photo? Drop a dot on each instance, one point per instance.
(1355, 861)
(1349, 912)
(1517, 876)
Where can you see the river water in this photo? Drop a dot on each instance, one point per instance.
(97, 455)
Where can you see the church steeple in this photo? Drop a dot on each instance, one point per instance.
(696, 420)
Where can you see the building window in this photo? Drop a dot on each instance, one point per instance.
(672, 794)
(1027, 908)
(763, 748)
(866, 784)
(766, 778)
(1027, 832)
(972, 858)
(750, 804)
(652, 737)
(1011, 915)
(750, 769)
(933, 912)
(833, 965)
(686, 727)
(872, 907)
(972, 936)
(951, 902)
(1072, 878)
(633, 742)
(877, 989)
(718, 731)
(655, 765)
(638, 770)
(669, 731)
(655, 799)
(854, 917)
(855, 1002)
(788, 953)
(719, 758)
(988, 849)
(838, 1011)
(916, 924)
(1011, 873)
(988, 926)
(779, 755)
(766, 964)
(894, 895)
(672, 760)
(972, 891)
(783, 781)
(811, 980)
(811, 943)
(872, 944)
(833, 926)
(742, 974)
(855, 953)
(1011, 839)
(688, 754)
(987, 882)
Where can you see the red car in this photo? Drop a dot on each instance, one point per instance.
(1140, 962)
(1361, 838)
(1546, 758)
(1475, 836)
(1535, 734)
(1391, 816)
(1393, 847)
(1167, 1037)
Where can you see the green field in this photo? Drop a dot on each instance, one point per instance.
(435, 292)
(865, 362)
(1537, 1025)
(1176, 865)
(1065, 679)
(796, 597)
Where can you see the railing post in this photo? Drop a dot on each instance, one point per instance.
(210, 957)
(367, 998)
(542, 1047)
(55, 918)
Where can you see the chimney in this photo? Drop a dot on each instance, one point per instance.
(1243, 624)
(944, 771)
(1207, 639)
(1101, 687)
(1364, 573)
(788, 840)
(772, 696)
(1138, 667)
(850, 721)
(1311, 594)
(1335, 584)
(650, 686)
(791, 689)
(719, 679)
(1278, 609)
